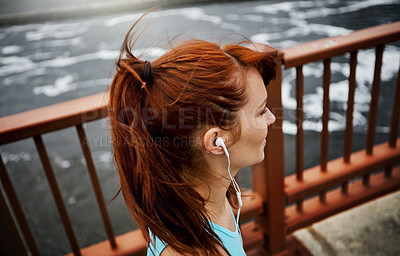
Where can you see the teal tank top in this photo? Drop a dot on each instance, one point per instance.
(233, 241)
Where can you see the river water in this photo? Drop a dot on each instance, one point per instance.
(51, 62)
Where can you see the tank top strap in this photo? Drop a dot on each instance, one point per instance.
(237, 229)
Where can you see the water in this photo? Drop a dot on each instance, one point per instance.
(51, 62)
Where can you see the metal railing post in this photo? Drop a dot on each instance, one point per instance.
(268, 176)
(55, 190)
(96, 185)
(12, 243)
(17, 210)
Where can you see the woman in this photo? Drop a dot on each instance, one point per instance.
(182, 126)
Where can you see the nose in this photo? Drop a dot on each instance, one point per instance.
(270, 118)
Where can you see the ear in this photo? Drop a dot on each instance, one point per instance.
(209, 139)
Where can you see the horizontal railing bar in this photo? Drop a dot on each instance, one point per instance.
(337, 202)
(17, 209)
(55, 190)
(51, 118)
(333, 46)
(338, 171)
(133, 243)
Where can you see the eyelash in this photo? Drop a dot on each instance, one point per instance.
(264, 110)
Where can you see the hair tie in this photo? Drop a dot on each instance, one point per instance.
(147, 75)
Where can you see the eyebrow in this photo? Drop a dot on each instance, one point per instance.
(263, 103)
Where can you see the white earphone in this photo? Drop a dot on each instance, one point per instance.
(220, 142)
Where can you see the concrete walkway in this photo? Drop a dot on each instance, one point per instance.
(370, 229)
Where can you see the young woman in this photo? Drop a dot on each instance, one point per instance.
(182, 126)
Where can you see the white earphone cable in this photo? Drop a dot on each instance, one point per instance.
(235, 185)
(220, 142)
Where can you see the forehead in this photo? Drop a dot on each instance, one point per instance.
(256, 90)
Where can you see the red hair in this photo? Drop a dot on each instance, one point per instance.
(207, 83)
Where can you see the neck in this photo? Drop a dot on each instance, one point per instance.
(217, 204)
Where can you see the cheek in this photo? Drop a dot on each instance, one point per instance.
(263, 125)
(259, 132)
(254, 132)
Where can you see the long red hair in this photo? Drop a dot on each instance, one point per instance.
(196, 84)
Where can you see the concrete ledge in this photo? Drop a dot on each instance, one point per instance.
(370, 229)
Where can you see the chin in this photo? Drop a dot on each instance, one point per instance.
(260, 158)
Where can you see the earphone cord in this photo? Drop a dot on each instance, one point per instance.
(237, 189)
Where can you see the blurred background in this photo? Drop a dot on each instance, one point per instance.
(53, 51)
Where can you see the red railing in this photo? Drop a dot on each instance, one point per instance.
(306, 192)
(280, 205)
